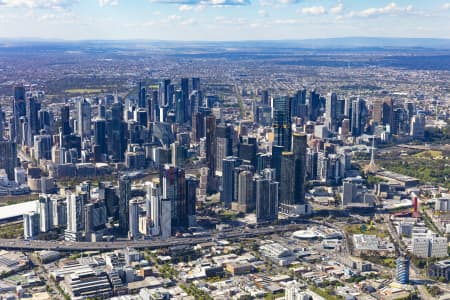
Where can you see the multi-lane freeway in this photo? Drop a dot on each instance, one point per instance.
(14, 244)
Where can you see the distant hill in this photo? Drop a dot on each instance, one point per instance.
(371, 42)
(333, 43)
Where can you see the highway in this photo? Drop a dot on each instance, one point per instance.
(24, 245)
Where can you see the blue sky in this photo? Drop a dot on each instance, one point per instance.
(222, 19)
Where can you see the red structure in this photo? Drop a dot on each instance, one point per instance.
(407, 213)
(415, 212)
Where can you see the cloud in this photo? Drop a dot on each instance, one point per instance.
(104, 3)
(285, 21)
(288, 1)
(390, 9)
(47, 17)
(278, 3)
(230, 21)
(174, 18)
(43, 4)
(185, 7)
(263, 13)
(190, 21)
(338, 8)
(205, 2)
(446, 5)
(313, 10)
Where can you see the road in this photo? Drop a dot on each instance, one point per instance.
(11, 244)
(44, 275)
(415, 273)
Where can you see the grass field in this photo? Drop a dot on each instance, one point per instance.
(365, 229)
(433, 154)
(83, 91)
(10, 200)
(429, 169)
(11, 230)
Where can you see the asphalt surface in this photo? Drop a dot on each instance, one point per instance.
(14, 244)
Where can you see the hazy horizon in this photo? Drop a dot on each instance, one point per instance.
(37, 39)
(222, 20)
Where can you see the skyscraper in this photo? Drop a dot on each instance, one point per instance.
(180, 107)
(387, 112)
(166, 218)
(173, 184)
(94, 218)
(287, 182)
(124, 201)
(19, 110)
(142, 101)
(402, 270)
(265, 97)
(292, 183)
(331, 112)
(312, 164)
(45, 213)
(192, 183)
(196, 84)
(163, 93)
(197, 126)
(359, 116)
(100, 137)
(8, 157)
(266, 193)
(314, 105)
(196, 101)
(42, 147)
(210, 145)
(2, 123)
(32, 109)
(247, 149)
(299, 149)
(74, 217)
(400, 121)
(154, 194)
(185, 95)
(282, 122)
(141, 117)
(228, 165)
(153, 107)
(377, 109)
(134, 209)
(277, 152)
(84, 119)
(298, 104)
(263, 161)
(178, 152)
(246, 196)
(45, 120)
(31, 225)
(224, 145)
(418, 126)
(111, 199)
(65, 121)
(115, 129)
(19, 93)
(59, 212)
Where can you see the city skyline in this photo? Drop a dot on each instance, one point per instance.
(220, 20)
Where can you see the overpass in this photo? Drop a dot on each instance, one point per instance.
(236, 234)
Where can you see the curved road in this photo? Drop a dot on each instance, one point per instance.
(12, 244)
